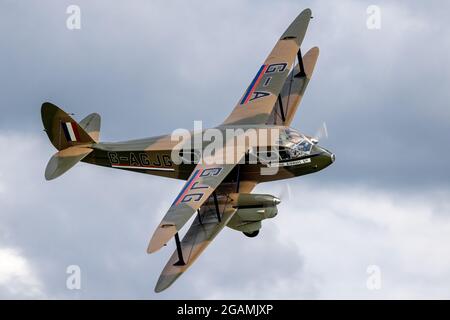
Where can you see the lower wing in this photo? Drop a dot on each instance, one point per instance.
(210, 220)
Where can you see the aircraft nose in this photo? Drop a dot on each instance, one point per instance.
(276, 201)
(328, 155)
(333, 157)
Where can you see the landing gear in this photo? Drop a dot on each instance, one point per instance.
(251, 234)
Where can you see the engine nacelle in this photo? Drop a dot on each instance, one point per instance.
(257, 214)
(242, 200)
(251, 210)
(249, 227)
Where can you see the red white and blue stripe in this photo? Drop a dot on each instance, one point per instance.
(126, 166)
(256, 80)
(187, 186)
(70, 130)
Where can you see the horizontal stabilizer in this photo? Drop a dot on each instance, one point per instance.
(64, 160)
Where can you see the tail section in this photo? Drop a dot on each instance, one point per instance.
(73, 140)
(91, 124)
(65, 159)
(62, 130)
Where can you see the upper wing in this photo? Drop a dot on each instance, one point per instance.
(205, 178)
(293, 89)
(200, 185)
(203, 230)
(257, 103)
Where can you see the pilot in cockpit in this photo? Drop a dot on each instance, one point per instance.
(295, 143)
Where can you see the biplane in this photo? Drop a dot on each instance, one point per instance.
(217, 193)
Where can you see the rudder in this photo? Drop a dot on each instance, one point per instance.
(62, 130)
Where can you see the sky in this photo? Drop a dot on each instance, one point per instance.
(150, 67)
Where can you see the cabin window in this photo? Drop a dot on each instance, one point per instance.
(268, 156)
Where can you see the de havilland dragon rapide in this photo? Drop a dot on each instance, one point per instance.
(217, 193)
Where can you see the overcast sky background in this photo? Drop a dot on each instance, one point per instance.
(149, 67)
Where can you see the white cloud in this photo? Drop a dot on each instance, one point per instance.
(17, 279)
(340, 231)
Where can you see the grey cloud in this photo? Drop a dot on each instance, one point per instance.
(382, 93)
(148, 68)
(102, 221)
(319, 245)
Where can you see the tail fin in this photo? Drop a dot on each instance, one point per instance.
(62, 130)
(91, 124)
(73, 140)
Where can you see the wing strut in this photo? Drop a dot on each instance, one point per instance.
(302, 72)
(216, 204)
(238, 178)
(280, 104)
(180, 261)
(199, 217)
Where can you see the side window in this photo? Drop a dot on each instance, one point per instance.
(305, 146)
(268, 156)
(284, 155)
(300, 149)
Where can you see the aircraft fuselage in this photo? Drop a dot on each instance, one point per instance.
(154, 156)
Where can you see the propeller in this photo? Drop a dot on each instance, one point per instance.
(285, 190)
(284, 193)
(322, 132)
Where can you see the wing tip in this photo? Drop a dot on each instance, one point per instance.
(161, 236)
(297, 29)
(166, 280)
(314, 50)
(310, 60)
(154, 246)
(151, 249)
(159, 288)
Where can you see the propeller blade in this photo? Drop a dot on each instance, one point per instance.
(321, 133)
(285, 192)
